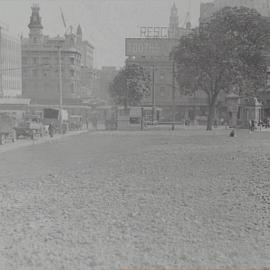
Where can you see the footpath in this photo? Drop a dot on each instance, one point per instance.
(27, 142)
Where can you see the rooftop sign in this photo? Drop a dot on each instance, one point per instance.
(154, 32)
(149, 46)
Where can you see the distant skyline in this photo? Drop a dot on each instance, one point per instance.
(105, 23)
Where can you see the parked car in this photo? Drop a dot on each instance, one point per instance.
(30, 126)
(7, 131)
(55, 116)
(75, 122)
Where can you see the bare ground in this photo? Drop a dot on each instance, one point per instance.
(112, 200)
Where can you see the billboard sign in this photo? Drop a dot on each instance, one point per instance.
(149, 46)
(154, 32)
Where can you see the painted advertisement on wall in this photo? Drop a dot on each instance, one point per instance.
(149, 46)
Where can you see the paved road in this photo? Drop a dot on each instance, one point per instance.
(112, 200)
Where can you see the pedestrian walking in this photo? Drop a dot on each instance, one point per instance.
(250, 126)
(51, 130)
(221, 121)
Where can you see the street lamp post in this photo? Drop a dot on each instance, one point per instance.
(60, 87)
(126, 94)
(1, 65)
(153, 93)
(173, 95)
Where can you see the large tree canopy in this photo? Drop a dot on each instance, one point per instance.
(130, 86)
(227, 53)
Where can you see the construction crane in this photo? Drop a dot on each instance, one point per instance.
(63, 20)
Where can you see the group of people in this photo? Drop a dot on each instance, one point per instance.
(253, 124)
(52, 128)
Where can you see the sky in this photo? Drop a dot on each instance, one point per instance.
(105, 23)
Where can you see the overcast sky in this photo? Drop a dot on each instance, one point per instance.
(105, 23)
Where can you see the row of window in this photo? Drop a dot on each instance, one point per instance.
(49, 72)
(47, 87)
(11, 83)
(7, 43)
(50, 60)
(8, 64)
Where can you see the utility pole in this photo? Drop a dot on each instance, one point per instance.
(126, 97)
(1, 64)
(153, 93)
(3, 26)
(128, 76)
(60, 87)
(173, 95)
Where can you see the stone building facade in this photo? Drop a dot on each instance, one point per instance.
(87, 71)
(40, 61)
(105, 77)
(154, 55)
(10, 65)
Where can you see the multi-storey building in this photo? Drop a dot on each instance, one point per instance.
(10, 65)
(87, 58)
(153, 52)
(106, 77)
(41, 64)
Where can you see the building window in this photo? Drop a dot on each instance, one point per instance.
(46, 87)
(162, 91)
(25, 72)
(72, 72)
(24, 60)
(162, 76)
(35, 73)
(46, 60)
(35, 60)
(72, 88)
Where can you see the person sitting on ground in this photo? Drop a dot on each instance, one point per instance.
(232, 133)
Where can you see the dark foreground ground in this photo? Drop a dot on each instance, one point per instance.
(113, 200)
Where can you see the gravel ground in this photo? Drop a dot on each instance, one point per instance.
(124, 200)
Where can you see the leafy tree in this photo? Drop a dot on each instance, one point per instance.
(130, 85)
(225, 54)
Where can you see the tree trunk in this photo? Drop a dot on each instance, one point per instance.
(211, 115)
